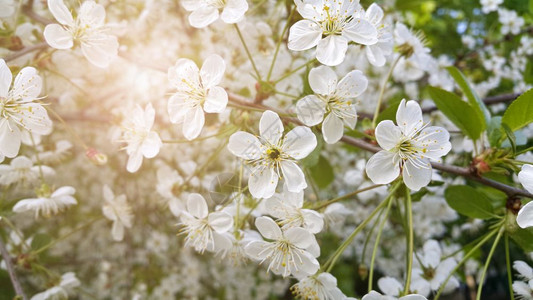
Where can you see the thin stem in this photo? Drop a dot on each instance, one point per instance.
(486, 267)
(409, 213)
(508, 263)
(465, 258)
(43, 248)
(279, 43)
(247, 52)
(382, 91)
(333, 259)
(9, 266)
(328, 202)
(185, 141)
(524, 151)
(376, 243)
(295, 70)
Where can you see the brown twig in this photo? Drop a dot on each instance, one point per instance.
(26, 50)
(362, 144)
(11, 271)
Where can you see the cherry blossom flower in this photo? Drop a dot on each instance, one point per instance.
(525, 215)
(523, 289)
(117, 210)
(411, 46)
(288, 209)
(197, 91)
(332, 99)
(291, 251)
(409, 147)
(433, 270)
(330, 25)
(47, 203)
(320, 287)
(88, 30)
(61, 290)
(141, 140)
(390, 286)
(18, 111)
(21, 169)
(490, 5)
(377, 53)
(205, 12)
(273, 155)
(205, 230)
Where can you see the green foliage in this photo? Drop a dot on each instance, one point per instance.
(524, 238)
(462, 114)
(468, 201)
(520, 112)
(322, 173)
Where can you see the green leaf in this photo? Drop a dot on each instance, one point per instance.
(473, 98)
(389, 113)
(322, 173)
(458, 111)
(312, 159)
(511, 137)
(468, 201)
(520, 112)
(494, 131)
(523, 238)
(40, 240)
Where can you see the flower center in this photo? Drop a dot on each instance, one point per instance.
(273, 153)
(334, 22)
(217, 3)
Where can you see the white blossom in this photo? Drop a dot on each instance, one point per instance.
(525, 215)
(319, 287)
(61, 290)
(332, 99)
(330, 25)
(273, 155)
(117, 210)
(205, 12)
(409, 147)
(197, 91)
(21, 169)
(47, 203)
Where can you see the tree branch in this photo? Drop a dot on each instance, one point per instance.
(359, 143)
(11, 271)
(26, 50)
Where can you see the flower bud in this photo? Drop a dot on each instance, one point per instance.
(96, 157)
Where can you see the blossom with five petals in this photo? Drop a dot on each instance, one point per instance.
(273, 155)
(205, 12)
(89, 30)
(409, 148)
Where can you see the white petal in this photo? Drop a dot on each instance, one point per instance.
(374, 13)
(524, 269)
(310, 110)
(27, 85)
(409, 117)
(413, 297)
(256, 250)
(5, 79)
(299, 142)
(178, 108)
(313, 221)
(191, 5)
(262, 182)
(108, 193)
(299, 237)
(184, 75)
(212, 71)
(100, 50)
(271, 127)
(294, 177)
(388, 135)
(63, 191)
(197, 206)
(91, 14)
(268, 228)
(304, 35)
(244, 145)
(352, 85)
(216, 100)
(323, 80)
(151, 145)
(9, 139)
(57, 37)
(390, 286)
(134, 161)
(34, 118)
(203, 16)
(525, 176)
(307, 266)
(331, 50)
(220, 221)
(117, 231)
(332, 129)
(416, 177)
(193, 123)
(525, 216)
(234, 11)
(60, 12)
(434, 142)
(383, 167)
(361, 32)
